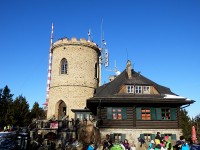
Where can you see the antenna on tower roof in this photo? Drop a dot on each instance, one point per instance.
(89, 35)
(103, 49)
(103, 58)
(117, 72)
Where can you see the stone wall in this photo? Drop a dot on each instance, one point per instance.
(79, 83)
(133, 134)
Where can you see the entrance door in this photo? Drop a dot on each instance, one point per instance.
(61, 109)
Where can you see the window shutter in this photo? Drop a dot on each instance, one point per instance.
(138, 113)
(152, 136)
(153, 114)
(158, 114)
(173, 136)
(109, 113)
(142, 136)
(123, 137)
(173, 113)
(112, 137)
(124, 115)
(162, 135)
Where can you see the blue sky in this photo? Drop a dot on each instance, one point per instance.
(160, 37)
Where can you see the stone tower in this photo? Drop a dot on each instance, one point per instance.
(75, 75)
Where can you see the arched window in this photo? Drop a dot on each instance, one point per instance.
(63, 66)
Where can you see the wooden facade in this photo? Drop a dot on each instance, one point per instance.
(131, 122)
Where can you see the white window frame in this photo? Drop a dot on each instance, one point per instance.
(130, 88)
(138, 89)
(146, 89)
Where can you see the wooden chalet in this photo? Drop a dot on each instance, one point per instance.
(133, 106)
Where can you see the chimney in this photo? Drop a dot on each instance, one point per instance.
(128, 69)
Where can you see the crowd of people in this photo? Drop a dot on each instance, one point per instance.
(164, 143)
(8, 128)
(159, 143)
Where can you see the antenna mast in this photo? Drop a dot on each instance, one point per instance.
(49, 67)
(117, 72)
(89, 35)
(103, 59)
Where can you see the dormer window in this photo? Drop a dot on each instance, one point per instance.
(146, 89)
(130, 89)
(138, 89)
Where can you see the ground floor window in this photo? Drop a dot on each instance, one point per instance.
(117, 137)
(166, 136)
(147, 137)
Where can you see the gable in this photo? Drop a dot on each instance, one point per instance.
(118, 85)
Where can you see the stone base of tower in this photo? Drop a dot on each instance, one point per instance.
(61, 103)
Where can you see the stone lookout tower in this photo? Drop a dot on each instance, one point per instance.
(74, 76)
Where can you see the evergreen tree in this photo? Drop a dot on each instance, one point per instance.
(21, 111)
(185, 124)
(37, 112)
(5, 102)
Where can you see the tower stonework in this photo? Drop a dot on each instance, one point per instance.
(71, 89)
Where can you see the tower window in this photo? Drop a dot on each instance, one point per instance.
(96, 70)
(63, 66)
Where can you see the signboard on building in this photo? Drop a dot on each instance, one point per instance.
(54, 125)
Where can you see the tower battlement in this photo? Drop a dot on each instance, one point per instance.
(74, 41)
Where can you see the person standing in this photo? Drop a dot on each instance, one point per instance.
(126, 144)
(141, 140)
(158, 137)
(184, 145)
(107, 143)
(91, 146)
(169, 144)
(181, 144)
(151, 145)
(5, 129)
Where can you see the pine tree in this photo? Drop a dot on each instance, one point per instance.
(185, 124)
(37, 112)
(5, 102)
(21, 111)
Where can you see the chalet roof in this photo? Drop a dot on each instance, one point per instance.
(108, 94)
(111, 89)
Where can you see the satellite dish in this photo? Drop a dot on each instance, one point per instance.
(117, 73)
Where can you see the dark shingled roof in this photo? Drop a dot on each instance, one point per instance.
(112, 88)
(108, 94)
